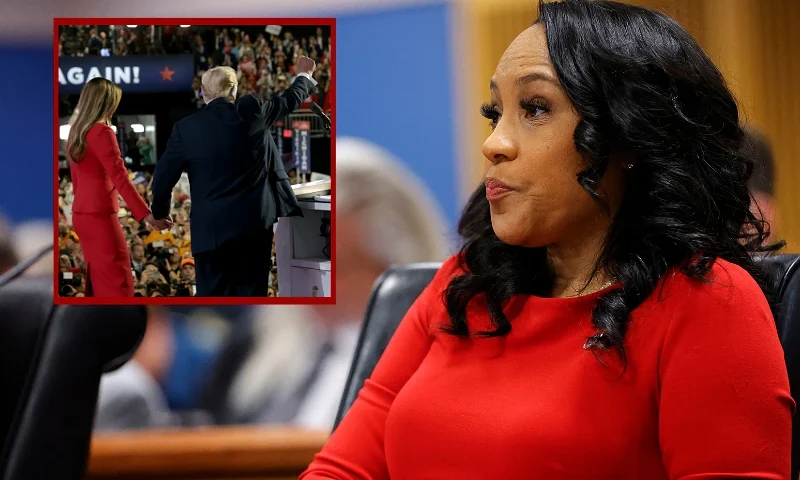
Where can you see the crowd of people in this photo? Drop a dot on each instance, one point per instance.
(161, 261)
(265, 65)
(264, 61)
(103, 40)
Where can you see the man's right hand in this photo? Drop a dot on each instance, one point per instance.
(304, 65)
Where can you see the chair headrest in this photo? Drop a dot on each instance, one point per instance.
(785, 273)
(52, 358)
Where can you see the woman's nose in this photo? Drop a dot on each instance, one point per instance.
(500, 145)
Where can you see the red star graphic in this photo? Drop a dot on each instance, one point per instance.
(167, 74)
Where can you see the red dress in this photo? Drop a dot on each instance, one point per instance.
(705, 394)
(96, 180)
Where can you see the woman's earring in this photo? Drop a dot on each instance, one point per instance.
(629, 166)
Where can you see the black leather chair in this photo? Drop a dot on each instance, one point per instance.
(51, 359)
(397, 289)
(786, 272)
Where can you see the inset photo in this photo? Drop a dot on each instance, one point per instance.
(195, 161)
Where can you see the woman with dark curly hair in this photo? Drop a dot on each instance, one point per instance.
(604, 318)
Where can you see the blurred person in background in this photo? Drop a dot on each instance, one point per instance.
(290, 363)
(199, 333)
(95, 42)
(320, 38)
(64, 262)
(30, 237)
(604, 317)
(145, 149)
(187, 269)
(132, 397)
(762, 181)
(239, 188)
(95, 166)
(137, 257)
(197, 96)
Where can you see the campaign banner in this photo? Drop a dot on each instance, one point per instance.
(279, 141)
(301, 151)
(134, 73)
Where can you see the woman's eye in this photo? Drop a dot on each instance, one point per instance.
(491, 113)
(533, 109)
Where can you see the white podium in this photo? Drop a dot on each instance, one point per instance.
(303, 268)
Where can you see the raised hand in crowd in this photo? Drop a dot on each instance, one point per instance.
(152, 276)
(173, 274)
(148, 276)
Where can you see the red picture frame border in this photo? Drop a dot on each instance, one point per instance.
(205, 21)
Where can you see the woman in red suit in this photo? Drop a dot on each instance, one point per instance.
(604, 318)
(99, 176)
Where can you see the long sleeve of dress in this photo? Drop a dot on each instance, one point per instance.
(103, 144)
(725, 407)
(356, 449)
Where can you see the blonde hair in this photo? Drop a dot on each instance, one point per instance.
(99, 100)
(219, 82)
(403, 223)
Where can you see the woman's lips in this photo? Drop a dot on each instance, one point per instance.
(496, 189)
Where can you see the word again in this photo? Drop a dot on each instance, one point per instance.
(118, 75)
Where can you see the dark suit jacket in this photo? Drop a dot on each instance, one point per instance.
(238, 184)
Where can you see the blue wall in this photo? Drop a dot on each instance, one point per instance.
(393, 88)
(26, 132)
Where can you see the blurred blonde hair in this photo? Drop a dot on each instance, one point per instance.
(219, 82)
(402, 220)
(98, 101)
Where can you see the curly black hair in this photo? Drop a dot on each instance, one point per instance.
(642, 86)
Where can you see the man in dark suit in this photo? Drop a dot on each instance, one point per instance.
(238, 185)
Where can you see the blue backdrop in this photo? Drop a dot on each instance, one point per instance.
(26, 133)
(134, 73)
(393, 88)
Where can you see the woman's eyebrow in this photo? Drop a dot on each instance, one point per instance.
(528, 78)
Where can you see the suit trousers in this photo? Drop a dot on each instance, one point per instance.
(239, 268)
